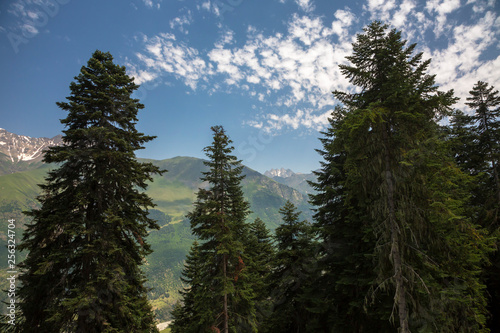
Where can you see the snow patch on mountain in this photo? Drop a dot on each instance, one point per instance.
(283, 173)
(23, 149)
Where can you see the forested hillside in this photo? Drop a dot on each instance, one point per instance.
(400, 232)
(173, 193)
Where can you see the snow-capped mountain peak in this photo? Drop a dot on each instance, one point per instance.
(283, 173)
(20, 148)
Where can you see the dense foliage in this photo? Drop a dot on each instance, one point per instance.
(222, 293)
(404, 236)
(88, 239)
(475, 143)
(392, 203)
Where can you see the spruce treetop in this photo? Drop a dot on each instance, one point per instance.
(390, 75)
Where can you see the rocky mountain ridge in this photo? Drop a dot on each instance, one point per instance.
(21, 152)
(283, 173)
(298, 181)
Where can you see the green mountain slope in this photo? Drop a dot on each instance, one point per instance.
(173, 193)
(298, 181)
(7, 166)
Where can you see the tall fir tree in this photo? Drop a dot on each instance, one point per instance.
(475, 141)
(345, 270)
(218, 220)
(87, 241)
(193, 315)
(393, 181)
(485, 126)
(294, 261)
(260, 256)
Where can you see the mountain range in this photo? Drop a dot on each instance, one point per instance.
(298, 181)
(283, 173)
(20, 152)
(173, 193)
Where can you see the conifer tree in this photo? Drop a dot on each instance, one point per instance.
(193, 313)
(260, 255)
(290, 277)
(393, 180)
(88, 239)
(485, 126)
(475, 141)
(345, 270)
(218, 220)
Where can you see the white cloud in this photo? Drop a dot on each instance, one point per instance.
(152, 3)
(303, 64)
(380, 8)
(300, 66)
(206, 5)
(182, 21)
(480, 6)
(226, 38)
(443, 8)
(344, 20)
(305, 5)
(29, 17)
(166, 56)
(213, 7)
(459, 65)
(400, 18)
(302, 118)
(296, 70)
(30, 29)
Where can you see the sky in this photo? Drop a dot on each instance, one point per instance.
(263, 69)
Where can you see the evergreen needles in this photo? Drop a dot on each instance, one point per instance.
(88, 238)
(391, 202)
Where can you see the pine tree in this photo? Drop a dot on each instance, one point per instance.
(485, 125)
(193, 313)
(476, 147)
(293, 263)
(218, 220)
(392, 178)
(345, 270)
(88, 239)
(260, 256)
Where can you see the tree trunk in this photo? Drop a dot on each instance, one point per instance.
(226, 315)
(497, 183)
(397, 260)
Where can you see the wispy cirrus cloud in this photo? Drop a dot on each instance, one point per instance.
(152, 3)
(459, 65)
(305, 5)
(165, 56)
(182, 22)
(26, 19)
(282, 70)
(29, 18)
(294, 71)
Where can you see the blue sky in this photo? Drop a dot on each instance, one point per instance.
(264, 69)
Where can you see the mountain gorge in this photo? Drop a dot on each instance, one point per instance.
(173, 193)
